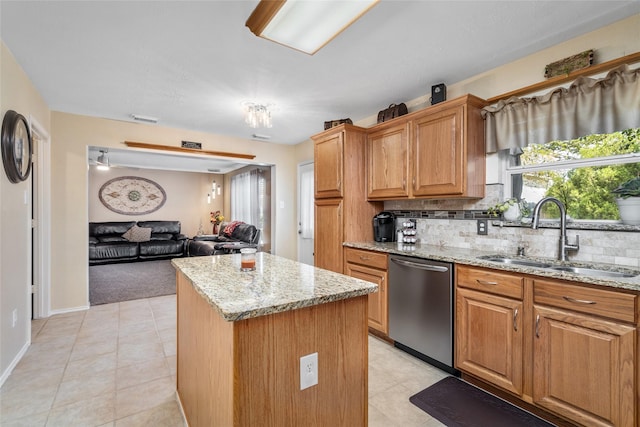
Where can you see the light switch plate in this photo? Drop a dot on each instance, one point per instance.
(308, 370)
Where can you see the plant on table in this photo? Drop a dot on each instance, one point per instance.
(216, 219)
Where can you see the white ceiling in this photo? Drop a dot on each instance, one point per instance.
(192, 64)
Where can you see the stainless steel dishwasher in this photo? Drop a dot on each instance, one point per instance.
(421, 309)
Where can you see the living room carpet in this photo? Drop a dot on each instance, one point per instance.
(456, 403)
(128, 281)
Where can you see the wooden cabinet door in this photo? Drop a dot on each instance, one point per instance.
(437, 154)
(388, 163)
(328, 234)
(584, 367)
(489, 338)
(378, 301)
(328, 165)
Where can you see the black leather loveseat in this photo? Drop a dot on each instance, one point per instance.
(108, 242)
(234, 232)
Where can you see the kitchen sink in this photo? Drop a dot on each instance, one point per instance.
(586, 271)
(591, 271)
(516, 261)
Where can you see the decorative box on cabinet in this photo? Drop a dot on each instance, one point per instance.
(342, 212)
(372, 267)
(437, 152)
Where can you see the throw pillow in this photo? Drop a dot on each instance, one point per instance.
(138, 234)
(228, 230)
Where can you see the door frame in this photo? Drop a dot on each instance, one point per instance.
(298, 219)
(41, 224)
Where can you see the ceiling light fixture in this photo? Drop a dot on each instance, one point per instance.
(102, 162)
(257, 115)
(305, 25)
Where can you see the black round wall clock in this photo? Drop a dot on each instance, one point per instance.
(16, 146)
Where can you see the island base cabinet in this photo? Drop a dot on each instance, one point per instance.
(247, 373)
(584, 368)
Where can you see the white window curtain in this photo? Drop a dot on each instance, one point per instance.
(588, 106)
(306, 204)
(247, 198)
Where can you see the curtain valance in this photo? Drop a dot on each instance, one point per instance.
(588, 106)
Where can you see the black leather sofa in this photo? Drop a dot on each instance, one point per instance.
(107, 244)
(214, 244)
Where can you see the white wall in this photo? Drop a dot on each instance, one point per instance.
(16, 93)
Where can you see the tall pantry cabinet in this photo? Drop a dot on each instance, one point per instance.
(342, 212)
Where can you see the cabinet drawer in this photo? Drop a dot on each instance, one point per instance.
(491, 281)
(599, 302)
(367, 258)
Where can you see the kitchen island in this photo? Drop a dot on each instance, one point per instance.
(241, 336)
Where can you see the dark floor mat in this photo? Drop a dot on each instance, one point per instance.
(456, 403)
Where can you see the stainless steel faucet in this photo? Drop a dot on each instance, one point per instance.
(564, 245)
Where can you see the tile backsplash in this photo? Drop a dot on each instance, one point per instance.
(608, 246)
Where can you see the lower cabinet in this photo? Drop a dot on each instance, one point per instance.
(567, 348)
(584, 366)
(489, 335)
(489, 338)
(328, 240)
(372, 267)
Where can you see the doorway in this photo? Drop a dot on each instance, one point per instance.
(305, 213)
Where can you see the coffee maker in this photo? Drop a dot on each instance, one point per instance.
(384, 227)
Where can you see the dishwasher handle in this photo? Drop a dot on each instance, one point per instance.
(422, 266)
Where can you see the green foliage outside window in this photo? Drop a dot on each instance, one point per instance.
(585, 191)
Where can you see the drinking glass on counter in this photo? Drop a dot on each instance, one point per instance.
(248, 259)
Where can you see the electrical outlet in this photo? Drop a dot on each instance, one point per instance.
(308, 370)
(14, 318)
(482, 227)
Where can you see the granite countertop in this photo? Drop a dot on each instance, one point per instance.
(278, 284)
(470, 257)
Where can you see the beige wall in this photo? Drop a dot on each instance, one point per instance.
(610, 42)
(186, 197)
(16, 93)
(72, 134)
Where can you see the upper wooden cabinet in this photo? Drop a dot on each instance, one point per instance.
(388, 162)
(328, 169)
(438, 152)
(342, 211)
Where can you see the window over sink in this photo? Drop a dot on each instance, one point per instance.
(580, 172)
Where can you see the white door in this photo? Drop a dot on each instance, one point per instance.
(305, 213)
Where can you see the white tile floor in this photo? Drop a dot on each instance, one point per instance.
(114, 365)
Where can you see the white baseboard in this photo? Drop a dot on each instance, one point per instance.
(14, 362)
(69, 310)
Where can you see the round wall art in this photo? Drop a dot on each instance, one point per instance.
(132, 195)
